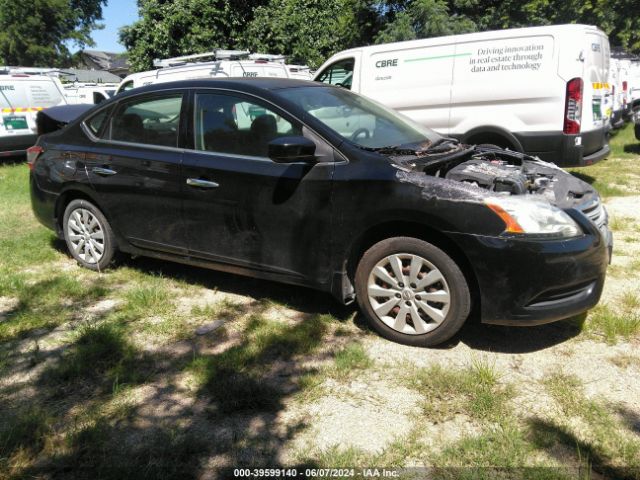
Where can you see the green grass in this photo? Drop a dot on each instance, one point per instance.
(612, 326)
(48, 303)
(475, 390)
(242, 378)
(613, 449)
(621, 223)
(624, 360)
(619, 174)
(101, 353)
(350, 361)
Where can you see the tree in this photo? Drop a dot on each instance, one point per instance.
(35, 34)
(309, 31)
(306, 31)
(169, 28)
(424, 18)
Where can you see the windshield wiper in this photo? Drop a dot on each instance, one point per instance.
(389, 149)
(445, 144)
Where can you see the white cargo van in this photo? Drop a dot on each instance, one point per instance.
(634, 84)
(226, 63)
(21, 98)
(538, 90)
(91, 93)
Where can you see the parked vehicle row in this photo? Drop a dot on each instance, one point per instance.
(22, 96)
(90, 93)
(314, 185)
(216, 64)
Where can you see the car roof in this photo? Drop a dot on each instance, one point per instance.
(254, 84)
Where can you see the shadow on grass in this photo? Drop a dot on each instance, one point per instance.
(78, 423)
(474, 334)
(630, 418)
(302, 299)
(513, 339)
(633, 148)
(547, 435)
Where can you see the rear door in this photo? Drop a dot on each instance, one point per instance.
(242, 208)
(596, 75)
(135, 169)
(21, 97)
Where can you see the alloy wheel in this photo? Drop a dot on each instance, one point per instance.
(408, 293)
(86, 235)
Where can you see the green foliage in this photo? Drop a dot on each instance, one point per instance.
(426, 18)
(285, 27)
(34, 33)
(167, 29)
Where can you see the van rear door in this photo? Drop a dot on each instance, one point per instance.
(595, 88)
(13, 104)
(596, 76)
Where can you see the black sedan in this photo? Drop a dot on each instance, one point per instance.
(313, 185)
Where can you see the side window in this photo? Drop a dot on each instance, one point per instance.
(339, 73)
(230, 124)
(97, 121)
(152, 121)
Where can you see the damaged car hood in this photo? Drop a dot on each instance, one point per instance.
(454, 170)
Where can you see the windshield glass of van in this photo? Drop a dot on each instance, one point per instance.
(358, 119)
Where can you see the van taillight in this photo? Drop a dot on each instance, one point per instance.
(32, 155)
(573, 107)
(624, 86)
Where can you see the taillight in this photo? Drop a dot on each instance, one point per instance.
(573, 107)
(624, 86)
(32, 155)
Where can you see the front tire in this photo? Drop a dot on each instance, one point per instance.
(88, 235)
(411, 292)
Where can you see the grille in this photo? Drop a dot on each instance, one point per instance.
(595, 211)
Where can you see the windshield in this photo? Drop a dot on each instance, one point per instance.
(358, 119)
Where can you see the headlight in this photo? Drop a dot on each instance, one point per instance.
(533, 218)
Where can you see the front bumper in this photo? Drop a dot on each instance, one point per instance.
(527, 282)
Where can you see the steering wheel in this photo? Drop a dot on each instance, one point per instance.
(359, 132)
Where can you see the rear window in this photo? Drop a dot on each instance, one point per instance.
(150, 121)
(96, 123)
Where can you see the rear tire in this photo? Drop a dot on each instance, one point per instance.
(411, 292)
(88, 235)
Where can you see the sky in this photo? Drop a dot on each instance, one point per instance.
(116, 14)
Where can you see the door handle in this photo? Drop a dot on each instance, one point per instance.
(198, 182)
(103, 171)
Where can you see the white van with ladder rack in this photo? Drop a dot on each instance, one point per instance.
(538, 90)
(218, 63)
(22, 96)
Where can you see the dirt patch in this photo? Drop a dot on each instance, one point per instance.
(7, 305)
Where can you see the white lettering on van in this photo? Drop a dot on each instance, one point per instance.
(387, 63)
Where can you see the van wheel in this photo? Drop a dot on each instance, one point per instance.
(490, 145)
(411, 292)
(88, 234)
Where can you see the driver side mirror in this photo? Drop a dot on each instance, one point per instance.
(291, 150)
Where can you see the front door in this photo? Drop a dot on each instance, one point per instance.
(135, 169)
(241, 208)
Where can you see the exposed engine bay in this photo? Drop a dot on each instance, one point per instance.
(504, 172)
